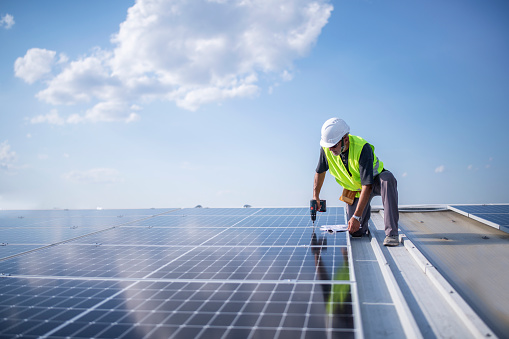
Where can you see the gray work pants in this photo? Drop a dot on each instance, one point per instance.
(386, 186)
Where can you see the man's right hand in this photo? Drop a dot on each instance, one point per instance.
(318, 206)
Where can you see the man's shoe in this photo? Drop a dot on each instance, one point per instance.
(391, 240)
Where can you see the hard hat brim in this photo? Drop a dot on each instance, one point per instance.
(329, 144)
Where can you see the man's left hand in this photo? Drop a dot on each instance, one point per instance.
(353, 225)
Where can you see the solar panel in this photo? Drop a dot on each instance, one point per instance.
(7, 250)
(502, 208)
(201, 273)
(493, 215)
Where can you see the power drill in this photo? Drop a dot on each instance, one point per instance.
(313, 206)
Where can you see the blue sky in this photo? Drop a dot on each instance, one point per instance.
(123, 104)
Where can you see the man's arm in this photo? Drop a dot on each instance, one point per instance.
(321, 169)
(354, 224)
(366, 174)
(317, 187)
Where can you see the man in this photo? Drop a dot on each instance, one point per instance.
(352, 161)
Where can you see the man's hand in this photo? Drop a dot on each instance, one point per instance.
(318, 206)
(353, 225)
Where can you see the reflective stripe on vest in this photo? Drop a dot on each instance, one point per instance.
(351, 180)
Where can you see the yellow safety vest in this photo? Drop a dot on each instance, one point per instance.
(351, 181)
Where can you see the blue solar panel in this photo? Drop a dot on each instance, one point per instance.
(188, 221)
(483, 208)
(501, 219)
(7, 250)
(495, 214)
(25, 235)
(179, 273)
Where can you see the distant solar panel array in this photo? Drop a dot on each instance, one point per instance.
(175, 273)
(495, 215)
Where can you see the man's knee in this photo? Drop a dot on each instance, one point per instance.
(388, 178)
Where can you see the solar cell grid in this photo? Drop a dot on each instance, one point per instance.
(143, 236)
(6, 222)
(7, 250)
(34, 214)
(292, 211)
(217, 211)
(91, 261)
(89, 222)
(230, 262)
(270, 237)
(205, 273)
(501, 219)
(34, 306)
(255, 263)
(37, 231)
(42, 235)
(280, 221)
(210, 310)
(174, 220)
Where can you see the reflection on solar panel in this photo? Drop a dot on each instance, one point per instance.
(494, 215)
(181, 273)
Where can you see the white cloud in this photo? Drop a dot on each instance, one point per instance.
(112, 111)
(81, 81)
(62, 58)
(107, 111)
(405, 174)
(7, 21)
(51, 118)
(34, 65)
(440, 169)
(7, 157)
(287, 76)
(189, 52)
(104, 111)
(95, 175)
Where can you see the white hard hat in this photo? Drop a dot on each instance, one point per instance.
(332, 131)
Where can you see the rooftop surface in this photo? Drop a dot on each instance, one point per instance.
(470, 255)
(244, 273)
